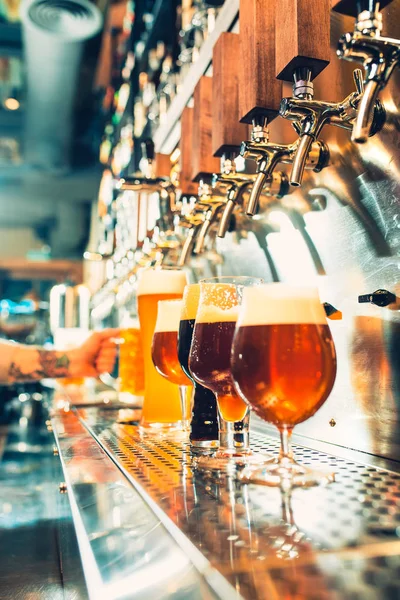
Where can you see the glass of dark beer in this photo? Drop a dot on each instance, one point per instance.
(204, 423)
(209, 363)
(164, 352)
(284, 365)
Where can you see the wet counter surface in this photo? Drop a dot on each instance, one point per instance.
(30, 567)
(150, 526)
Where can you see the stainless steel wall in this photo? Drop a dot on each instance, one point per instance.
(351, 246)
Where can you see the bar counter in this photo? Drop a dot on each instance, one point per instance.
(148, 526)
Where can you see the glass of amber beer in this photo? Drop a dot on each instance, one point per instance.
(209, 363)
(161, 405)
(284, 365)
(164, 351)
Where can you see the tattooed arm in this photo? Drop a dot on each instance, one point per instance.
(29, 363)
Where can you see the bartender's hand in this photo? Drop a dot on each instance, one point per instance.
(97, 355)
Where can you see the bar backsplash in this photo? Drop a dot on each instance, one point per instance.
(343, 231)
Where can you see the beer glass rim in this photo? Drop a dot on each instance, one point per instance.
(281, 303)
(233, 280)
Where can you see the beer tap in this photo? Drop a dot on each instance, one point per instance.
(211, 204)
(309, 116)
(268, 155)
(301, 57)
(192, 222)
(379, 56)
(235, 184)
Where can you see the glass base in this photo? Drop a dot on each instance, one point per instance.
(226, 458)
(286, 474)
(163, 429)
(203, 446)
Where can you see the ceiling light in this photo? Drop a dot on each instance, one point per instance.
(11, 104)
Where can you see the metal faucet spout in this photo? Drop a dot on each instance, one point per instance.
(300, 160)
(362, 125)
(201, 238)
(226, 218)
(187, 246)
(252, 204)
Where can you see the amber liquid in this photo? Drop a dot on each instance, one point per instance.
(165, 357)
(286, 372)
(131, 365)
(204, 423)
(161, 402)
(210, 365)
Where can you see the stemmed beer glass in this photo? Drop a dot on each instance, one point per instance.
(284, 366)
(209, 363)
(164, 351)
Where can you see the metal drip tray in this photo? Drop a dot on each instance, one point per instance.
(340, 541)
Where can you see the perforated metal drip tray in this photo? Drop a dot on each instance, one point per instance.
(341, 541)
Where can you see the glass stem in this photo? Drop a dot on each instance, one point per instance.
(184, 404)
(286, 454)
(234, 435)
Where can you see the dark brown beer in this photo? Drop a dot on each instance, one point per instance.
(286, 372)
(210, 365)
(164, 353)
(204, 424)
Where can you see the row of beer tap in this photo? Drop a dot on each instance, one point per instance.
(289, 41)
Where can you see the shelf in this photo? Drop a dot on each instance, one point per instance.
(167, 136)
(21, 268)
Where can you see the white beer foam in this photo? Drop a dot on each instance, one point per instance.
(213, 314)
(168, 315)
(161, 281)
(191, 298)
(280, 304)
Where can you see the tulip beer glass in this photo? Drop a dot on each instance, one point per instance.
(209, 364)
(284, 366)
(165, 350)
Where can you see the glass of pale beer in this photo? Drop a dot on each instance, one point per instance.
(209, 363)
(284, 366)
(164, 351)
(161, 405)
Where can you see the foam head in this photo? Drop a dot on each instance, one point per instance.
(168, 315)
(161, 281)
(191, 298)
(218, 303)
(280, 303)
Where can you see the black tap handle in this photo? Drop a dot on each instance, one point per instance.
(353, 9)
(148, 149)
(331, 312)
(379, 298)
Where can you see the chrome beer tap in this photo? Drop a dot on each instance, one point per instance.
(309, 116)
(192, 222)
(211, 204)
(268, 155)
(234, 185)
(378, 55)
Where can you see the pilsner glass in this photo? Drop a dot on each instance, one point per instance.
(209, 363)
(204, 423)
(161, 405)
(284, 365)
(164, 350)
